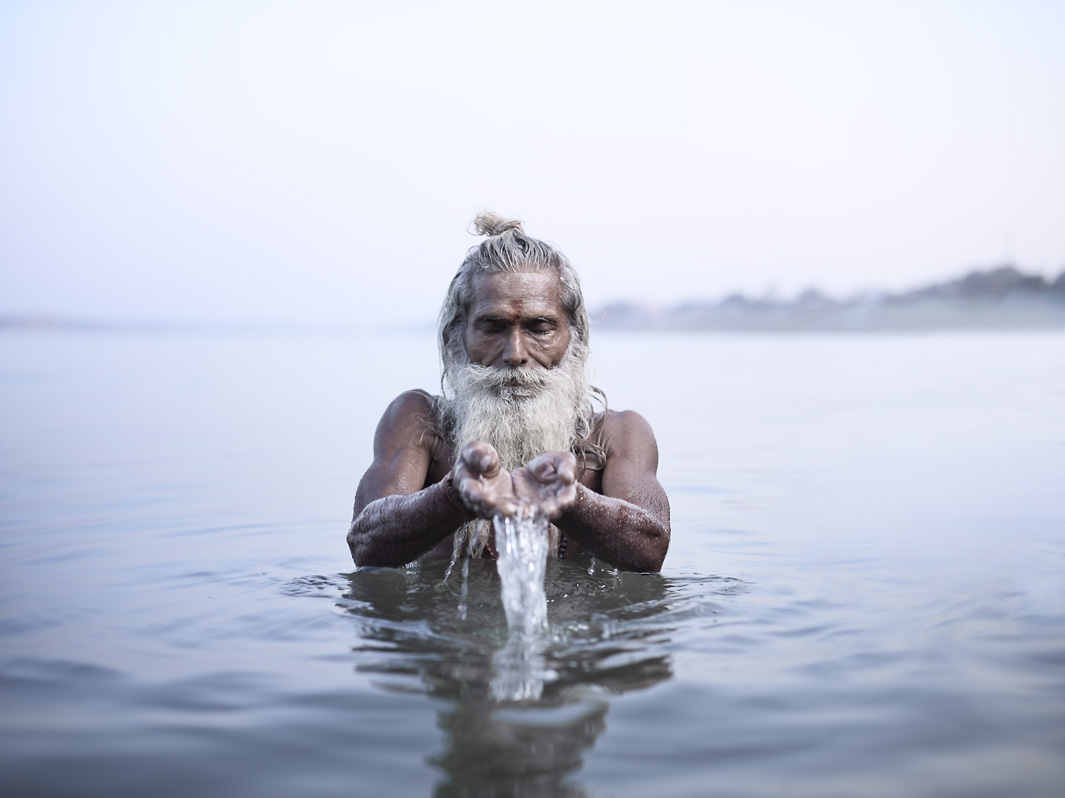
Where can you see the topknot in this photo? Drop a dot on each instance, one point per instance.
(489, 223)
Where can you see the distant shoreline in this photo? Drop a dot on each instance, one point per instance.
(1002, 298)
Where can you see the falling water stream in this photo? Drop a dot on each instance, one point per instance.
(520, 670)
(522, 544)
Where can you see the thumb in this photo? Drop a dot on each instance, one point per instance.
(481, 459)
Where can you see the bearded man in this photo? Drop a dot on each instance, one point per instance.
(515, 432)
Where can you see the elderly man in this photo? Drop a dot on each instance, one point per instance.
(515, 432)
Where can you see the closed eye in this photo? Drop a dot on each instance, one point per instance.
(489, 325)
(542, 327)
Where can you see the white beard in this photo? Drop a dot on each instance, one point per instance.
(522, 412)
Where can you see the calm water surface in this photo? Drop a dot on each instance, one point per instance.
(864, 596)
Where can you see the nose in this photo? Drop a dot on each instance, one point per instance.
(514, 353)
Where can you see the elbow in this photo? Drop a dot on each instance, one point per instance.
(654, 564)
(353, 544)
(366, 552)
(646, 558)
(656, 553)
(651, 564)
(357, 546)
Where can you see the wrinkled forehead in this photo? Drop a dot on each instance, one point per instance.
(526, 293)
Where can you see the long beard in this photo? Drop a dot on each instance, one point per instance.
(522, 412)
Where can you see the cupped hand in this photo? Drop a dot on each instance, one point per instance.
(485, 487)
(547, 485)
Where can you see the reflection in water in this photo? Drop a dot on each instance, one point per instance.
(518, 713)
(520, 668)
(491, 751)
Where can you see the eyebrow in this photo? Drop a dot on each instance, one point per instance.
(494, 316)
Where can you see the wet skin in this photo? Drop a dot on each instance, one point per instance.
(516, 321)
(412, 499)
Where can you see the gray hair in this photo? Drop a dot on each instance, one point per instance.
(507, 249)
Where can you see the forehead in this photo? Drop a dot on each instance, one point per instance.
(517, 293)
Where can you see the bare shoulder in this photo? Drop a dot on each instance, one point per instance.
(627, 434)
(405, 444)
(413, 406)
(412, 412)
(412, 401)
(408, 425)
(631, 467)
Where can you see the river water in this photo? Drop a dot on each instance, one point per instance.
(864, 594)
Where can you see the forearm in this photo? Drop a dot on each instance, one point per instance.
(617, 531)
(396, 530)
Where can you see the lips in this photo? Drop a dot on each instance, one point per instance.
(516, 390)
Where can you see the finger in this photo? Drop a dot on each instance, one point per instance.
(549, 509)
(554, 466)
(546, 472)
(566, 468)
(481, 458)
(543, 468)
(507, 508)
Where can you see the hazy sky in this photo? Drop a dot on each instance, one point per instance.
(320, 161)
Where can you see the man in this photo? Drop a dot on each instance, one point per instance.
(515, 432)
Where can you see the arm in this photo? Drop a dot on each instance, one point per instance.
(396, 518)
(628, 524)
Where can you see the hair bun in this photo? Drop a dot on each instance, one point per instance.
(489, 223)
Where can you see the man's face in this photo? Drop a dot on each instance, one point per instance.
(517, 320)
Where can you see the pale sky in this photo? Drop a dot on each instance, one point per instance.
(320, 161)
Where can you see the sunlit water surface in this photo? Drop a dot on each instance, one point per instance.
(864, 595)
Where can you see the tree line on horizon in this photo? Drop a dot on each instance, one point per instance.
(1002, 296)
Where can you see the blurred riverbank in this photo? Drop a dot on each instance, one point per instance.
(1002, 298)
